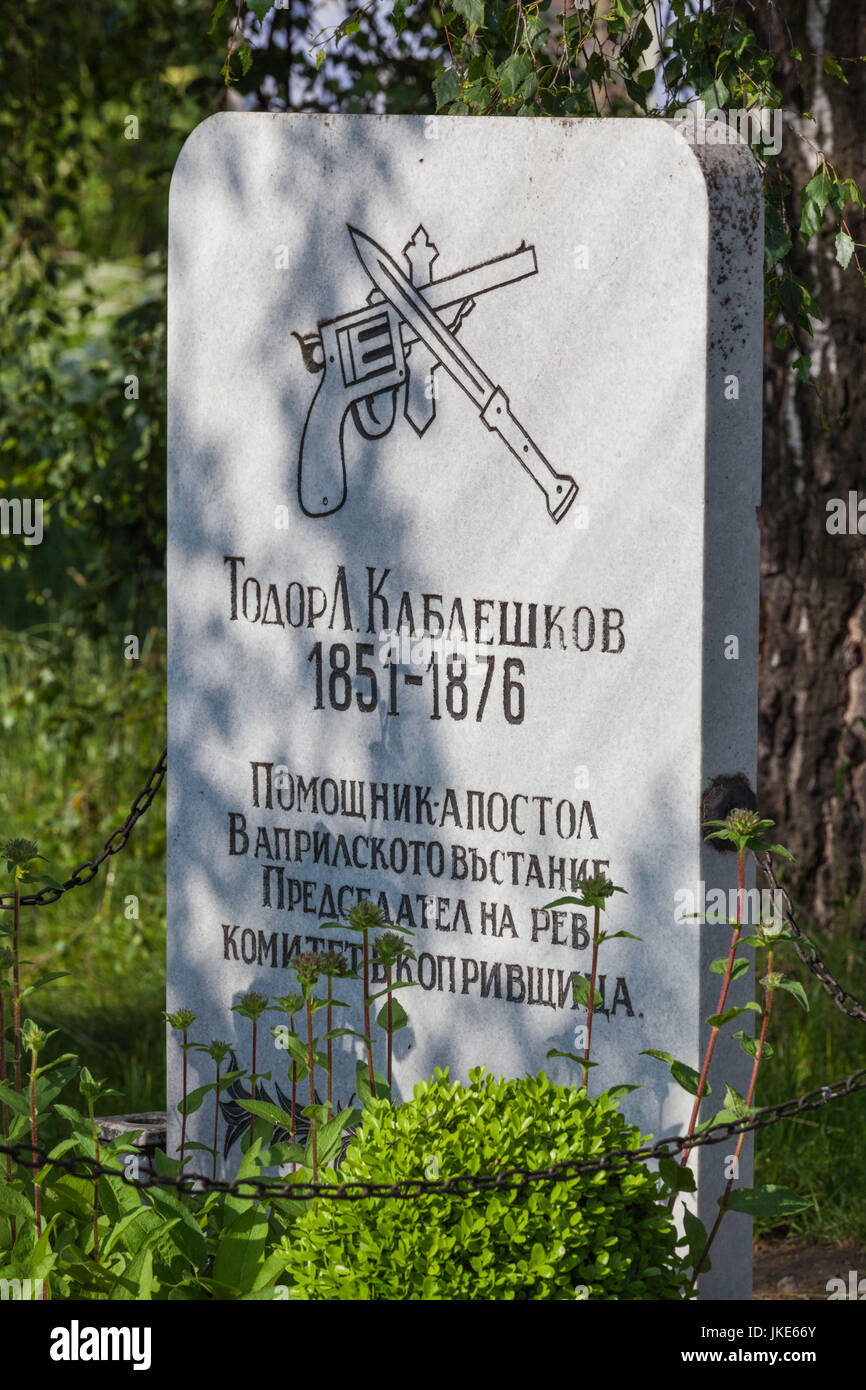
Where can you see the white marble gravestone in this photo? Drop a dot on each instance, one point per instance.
(501, 376)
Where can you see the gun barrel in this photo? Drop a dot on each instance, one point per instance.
(452, 289)
(469, 284)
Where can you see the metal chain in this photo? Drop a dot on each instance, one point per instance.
(810, 958)
(466, 1183)
(113, 845)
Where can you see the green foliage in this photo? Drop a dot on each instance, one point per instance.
(745, 831)
(769, 1201)
(603, 1231)
(682, 1073)
(793, 987)
(532, 60)
(372, 60)
(825, 1147)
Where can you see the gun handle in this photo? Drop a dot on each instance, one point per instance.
(321, 461)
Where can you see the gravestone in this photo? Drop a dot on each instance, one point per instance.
(501, 379)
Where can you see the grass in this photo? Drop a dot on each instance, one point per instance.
(76, 744)
(77, 741)
(819, 1154)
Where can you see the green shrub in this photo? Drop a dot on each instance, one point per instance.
(605, 1231)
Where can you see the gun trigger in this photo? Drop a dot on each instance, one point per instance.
(372, 420)
(375, 297)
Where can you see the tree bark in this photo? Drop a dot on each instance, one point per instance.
(812, 758)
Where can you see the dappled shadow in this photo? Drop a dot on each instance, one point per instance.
(449, 514)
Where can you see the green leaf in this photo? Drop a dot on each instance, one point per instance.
(165, 1167)
(42, 1257)
(537, 32)
(186, 1237)
(695, 1239)
(389, 989)
(446, 88)
(245, 56)
(330, 1135)
(267, 1111)
(362, 1084)
(719, 1020)
(749, 1044)
(14, 1203)
(811, 219)
(597, 67)
(819, 189)
(740, 966)
(803, 367)
(612, 936)
(399, 1017)
(570, 1057)
(688, 1078)
(15, 1100)
(281, 1153)
(737, 1104)
(834, 69)
(845, 247)
(318, 1111)
(136, 1281)
(798, 303)
(580, 992)
(768, 1201)
(780, 849)
(195, 1098)
(58, 1062)
(715, 96)
(349, 26)
(44, 980)
(296, 1049)
(228, 1078)
(472, 11)
(683, 1074)
(657, 1053)
(119, 1229)
(241, 1247)
(512, 74)
(398, 16)
(794, 987)
(677, 1176)
(49, 882)
(617, 1092)
(218, 9)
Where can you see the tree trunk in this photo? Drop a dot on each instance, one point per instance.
(812, 760)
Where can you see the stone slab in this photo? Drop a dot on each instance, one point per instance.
(609, 282)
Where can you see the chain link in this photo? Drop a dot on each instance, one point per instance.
(464, 1184)
(808, 955)
(616, 1160)
(113, 845)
